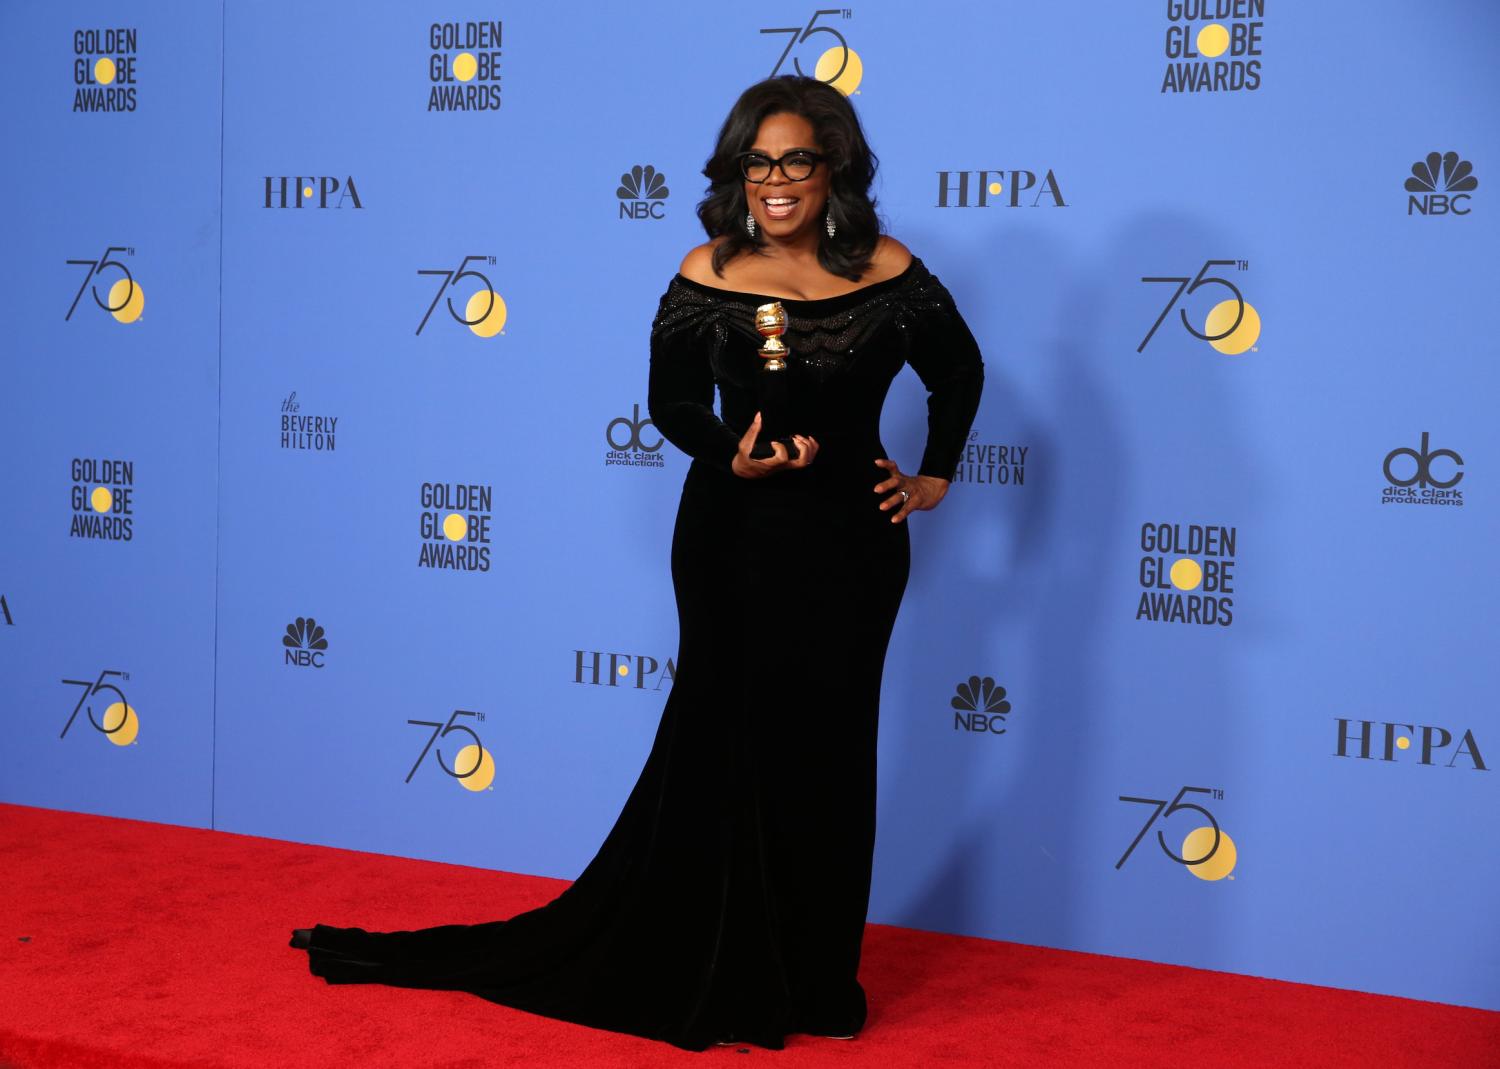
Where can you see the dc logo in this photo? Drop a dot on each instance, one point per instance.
(1423, 474)
(634, 424)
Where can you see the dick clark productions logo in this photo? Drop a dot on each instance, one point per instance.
(1423, 476)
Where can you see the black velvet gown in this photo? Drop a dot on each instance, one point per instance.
(729, 899)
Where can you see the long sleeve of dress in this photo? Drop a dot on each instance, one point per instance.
(680, 393)
(942, 351)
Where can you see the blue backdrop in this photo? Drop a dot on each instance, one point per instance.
(332, 512)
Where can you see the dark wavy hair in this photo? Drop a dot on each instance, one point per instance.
(850, 161)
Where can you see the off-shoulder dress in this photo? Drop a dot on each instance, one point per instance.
(729, 899)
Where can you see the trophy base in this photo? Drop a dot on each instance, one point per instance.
(762, 449)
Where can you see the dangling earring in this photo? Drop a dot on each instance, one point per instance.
(750, 223)
(828, 221)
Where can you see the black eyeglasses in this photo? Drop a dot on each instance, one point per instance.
(797, 165)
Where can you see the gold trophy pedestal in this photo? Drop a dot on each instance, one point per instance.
(771, 383)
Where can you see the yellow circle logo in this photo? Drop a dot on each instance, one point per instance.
(101, 499)
(307, 192)
(1212, 867)
(994, 189)
(848, 80)
(1212, 40)
(104, 71)
(1221, 318)
(126, 300)
(1403, 743)
(455, 527)
(465, 66)
(485, 313)
(1186, 574)
(475, 767)
(120, 724)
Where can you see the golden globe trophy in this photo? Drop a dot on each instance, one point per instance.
(771, 389)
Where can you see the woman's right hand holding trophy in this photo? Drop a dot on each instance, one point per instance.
(748, 467)
(771, 386)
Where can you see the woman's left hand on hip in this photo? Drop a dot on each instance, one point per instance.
(908, 492)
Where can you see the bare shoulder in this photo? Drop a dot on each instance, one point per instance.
(890, 258)
(698, 264)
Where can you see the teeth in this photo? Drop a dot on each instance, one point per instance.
(781, 200)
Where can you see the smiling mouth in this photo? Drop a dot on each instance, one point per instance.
(780, 207)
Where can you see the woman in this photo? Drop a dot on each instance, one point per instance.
(728, 902)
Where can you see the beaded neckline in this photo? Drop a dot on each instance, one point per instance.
(853, 296)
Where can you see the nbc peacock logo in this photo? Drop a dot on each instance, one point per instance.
(1440, 184)
(304, 643)
(642, 193)
(980, 705)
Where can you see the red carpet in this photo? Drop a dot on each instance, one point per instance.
(129, 944)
